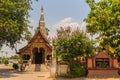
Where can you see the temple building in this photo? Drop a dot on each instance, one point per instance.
(38, 50)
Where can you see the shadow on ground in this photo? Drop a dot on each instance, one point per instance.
(6, 73)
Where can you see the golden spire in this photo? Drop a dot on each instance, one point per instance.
(42, 23)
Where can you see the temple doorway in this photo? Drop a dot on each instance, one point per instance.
(38, 55)
(38, 58)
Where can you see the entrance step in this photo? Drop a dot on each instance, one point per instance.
(37, 67)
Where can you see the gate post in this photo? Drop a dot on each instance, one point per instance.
(53, 64)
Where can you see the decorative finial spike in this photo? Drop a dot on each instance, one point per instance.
(42, 23)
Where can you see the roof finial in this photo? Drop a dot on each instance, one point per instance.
(42, 9)
(42, 22)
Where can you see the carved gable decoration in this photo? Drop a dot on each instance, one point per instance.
(102, 55)
(38, 39)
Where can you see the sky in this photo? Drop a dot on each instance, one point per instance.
(57, 13)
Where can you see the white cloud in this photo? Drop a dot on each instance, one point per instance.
(65, 23)
(66, 20)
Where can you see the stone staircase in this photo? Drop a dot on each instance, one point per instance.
(35, 67)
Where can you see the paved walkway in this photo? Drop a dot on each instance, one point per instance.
(7, 73)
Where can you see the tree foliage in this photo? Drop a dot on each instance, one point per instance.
(104, 19)
(15, 57)
(14, 21)
(69, 45)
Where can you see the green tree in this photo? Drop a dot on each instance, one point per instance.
(15, 57)
(69, 45)
(104, 19)
(5, 60)
(14, 21)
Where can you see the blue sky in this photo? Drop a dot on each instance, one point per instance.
(57, 13)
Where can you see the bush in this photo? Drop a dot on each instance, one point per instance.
(15, 66)
(6, 62)
(119, 71)
(77, 70)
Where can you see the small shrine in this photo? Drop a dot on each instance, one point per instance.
(38, 50)
(102, 64)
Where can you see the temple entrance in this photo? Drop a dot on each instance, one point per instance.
(38, 56)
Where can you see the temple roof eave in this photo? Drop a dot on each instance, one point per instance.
(31, 41)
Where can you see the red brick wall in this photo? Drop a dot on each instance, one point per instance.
(115, 63)
(103, 73)
(89, 63)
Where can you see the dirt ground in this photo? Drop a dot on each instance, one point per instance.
(7, 73)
